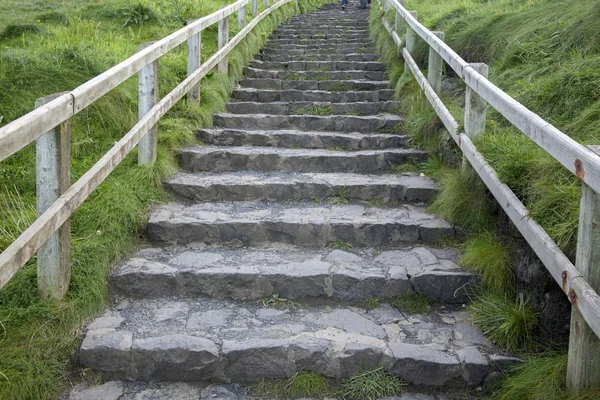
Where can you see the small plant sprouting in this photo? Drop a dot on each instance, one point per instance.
(371, 304)
(315, 109)
(341, 198)
(376, 202)
(336, 148)
(371, 385)
(307, 384)
(395, 129)
(339, 87)
(275, 300)
(412, 303)
(340, 245)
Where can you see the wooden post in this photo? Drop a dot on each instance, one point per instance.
(242, 17)
(193, 63)
(584, 346)
(223, 40)
(434, 67)
(475, 115)
(254, 7)
(266, 4)
(410, 40)
(148, 97)
(53, 178)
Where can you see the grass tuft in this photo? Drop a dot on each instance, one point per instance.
(412, 303)
(307, 384)
(487, 256)
(371, 385)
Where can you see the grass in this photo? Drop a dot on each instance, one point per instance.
(371, 385)
(412, 303)
(307, 384)
(541, 377)
(487, 256)
(74, 42)
(371, 304)
(406, 167)
(314, 110)
(276, 301)
(510, 323)
(340, 245)
(341, 198)
(339, 87)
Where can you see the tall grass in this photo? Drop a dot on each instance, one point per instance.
(74, 43)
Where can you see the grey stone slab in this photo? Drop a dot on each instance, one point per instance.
(258, 95)
(108, 351)
(307, 107)
(245, 186)
(112, 390)
(269, 356)
(475, 365)
(271, 159)
(424, 365)
(329, 85)
(255, 73)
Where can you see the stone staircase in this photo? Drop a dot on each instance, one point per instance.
(287, 223)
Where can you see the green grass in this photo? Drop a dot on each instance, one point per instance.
(487, 256)
(75, 42)
(314, 110)
(371, 304)
(340, 245)
(509, 322)
(412, 303)
(541, 377)
(371, 385)
(341, 198)
(307, 384)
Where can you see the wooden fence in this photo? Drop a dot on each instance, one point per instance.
(48, 124)
(580, 282)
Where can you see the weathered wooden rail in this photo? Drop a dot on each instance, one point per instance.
(57, 199)
(579, 282)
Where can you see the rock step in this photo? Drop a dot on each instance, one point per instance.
(334, 123)
(301, 139)
(171, 339)
(332, 85)
(320, 57)
(126, 390)
(303, 51)
(250, 72)
(327, 47)
(294, 273)
(306, 224)
(318, 42)
(267, 96)
(327, 25)
(324, 32)
(364, 36)
(319, 65)
(291, 186)
(312, 108)
(226, 159)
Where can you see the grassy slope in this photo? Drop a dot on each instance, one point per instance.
(50, 46)
(545, 54)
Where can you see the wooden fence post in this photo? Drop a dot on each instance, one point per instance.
(53, 178)
(584, 346)
(242, 17)
(148, 97)
(254, 7)
(194, 61)
(434, 67)
(475, 116)
(411, 39)
(223, 40)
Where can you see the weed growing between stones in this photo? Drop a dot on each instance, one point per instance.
(406, 167)
(355, 113)
(314, 110)
(412, 303)
(339, 87)
(508, 322)
(371, 304)
(376, 202)
(307, 384)
(340, 245)
(395, 129)
(341, 198)
(276, 301)
(371, 385)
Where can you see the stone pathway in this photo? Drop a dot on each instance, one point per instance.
(285, 204)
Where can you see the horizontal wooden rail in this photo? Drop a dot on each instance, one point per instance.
(580, 282)
(19, 133)
(582, 162)
(29, 242)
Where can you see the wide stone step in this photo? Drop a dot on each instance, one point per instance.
(312, 108)
(323, 47)
(294, 273)
(303, 51)
(250, 72)
(306, 224)
(319, 57)
(327, 25)
(332, 85)
(175, 339)
(334, 123)
(301, 139)
(224, 158)
(292, 186)
(317, 42)
(316, 36)
(319, 65)
(265, 96)
(323, 31)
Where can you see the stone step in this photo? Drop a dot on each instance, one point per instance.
(323, 31)
(332, 85)
(292, 186)
(175, 339)
(311, 107)
(303, 51)
(327, 25)
(319, 42)
(333, 123)
(265, 96)
(315, 36)
(319, 65)
(127, 390)
(301, 139)
(322, 47)
(250, 72)
(319, 57)
(294, 273)
(241, 158)
(305, 224)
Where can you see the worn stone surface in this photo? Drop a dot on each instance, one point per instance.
(269, 95)
(291, 272)
(326, 85)
(306, 224)
(309, 107)
(246, 342)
